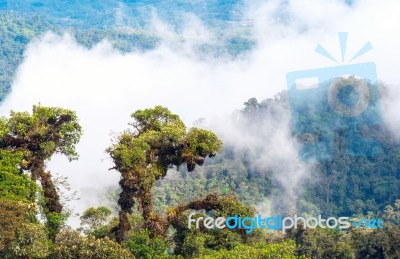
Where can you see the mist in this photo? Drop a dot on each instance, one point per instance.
(266, 141)
(105, 86)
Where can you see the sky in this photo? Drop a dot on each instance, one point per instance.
(104, 86)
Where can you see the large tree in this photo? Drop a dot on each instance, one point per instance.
(39, 135)
(157, 141)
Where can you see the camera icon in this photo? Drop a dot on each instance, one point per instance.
(334, 110)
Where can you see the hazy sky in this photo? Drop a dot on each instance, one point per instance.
(104, 86)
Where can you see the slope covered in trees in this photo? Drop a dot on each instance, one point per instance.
(15, 33)
(154, 198)
(346, 185)
(18, 27)
(158, 141)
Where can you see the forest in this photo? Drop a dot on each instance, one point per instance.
(150, 219)
(18, 29)
(167, 170)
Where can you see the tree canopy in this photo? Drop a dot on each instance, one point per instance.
(36, 137)
(157, 141)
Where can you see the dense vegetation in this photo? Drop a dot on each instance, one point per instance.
(103, 14)
(347, 185)
(166, 170)
(18, 28)
(157, 141)
(15, 34)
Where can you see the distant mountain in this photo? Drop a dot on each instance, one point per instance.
(126, 24)
(104, 14)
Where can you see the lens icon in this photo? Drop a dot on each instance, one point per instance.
(348, 97)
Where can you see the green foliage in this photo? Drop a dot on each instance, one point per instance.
(31, 242)
(159, 138)
(354, 243)
(14, 184)
(15, 33)
(391, 213)
(37, 136)
(16, 203)
(13, 214)
(141, 245)
(48, 130)
(348, 185)
(94, 221)
(54, 222)
(320, 243)
(380, 243)
(159, 141)
(197, 243)
(69, 244)
(194, 244)
(123, 40)
(223, 175)
(257, 250)
(191, 242)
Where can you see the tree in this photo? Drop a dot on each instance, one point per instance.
(70, 244)
(251, 106)
(13, 214)
(16, 204)
(158, 141)
(141, 245)
(258, 250)
(94, 221)
(319, 243)
(392, 213)
(14, 184)
(47, 131)
(31, 242)
(377, 243)
(188, 242)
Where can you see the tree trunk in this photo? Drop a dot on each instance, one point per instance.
(52, 204)
(122, 227)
